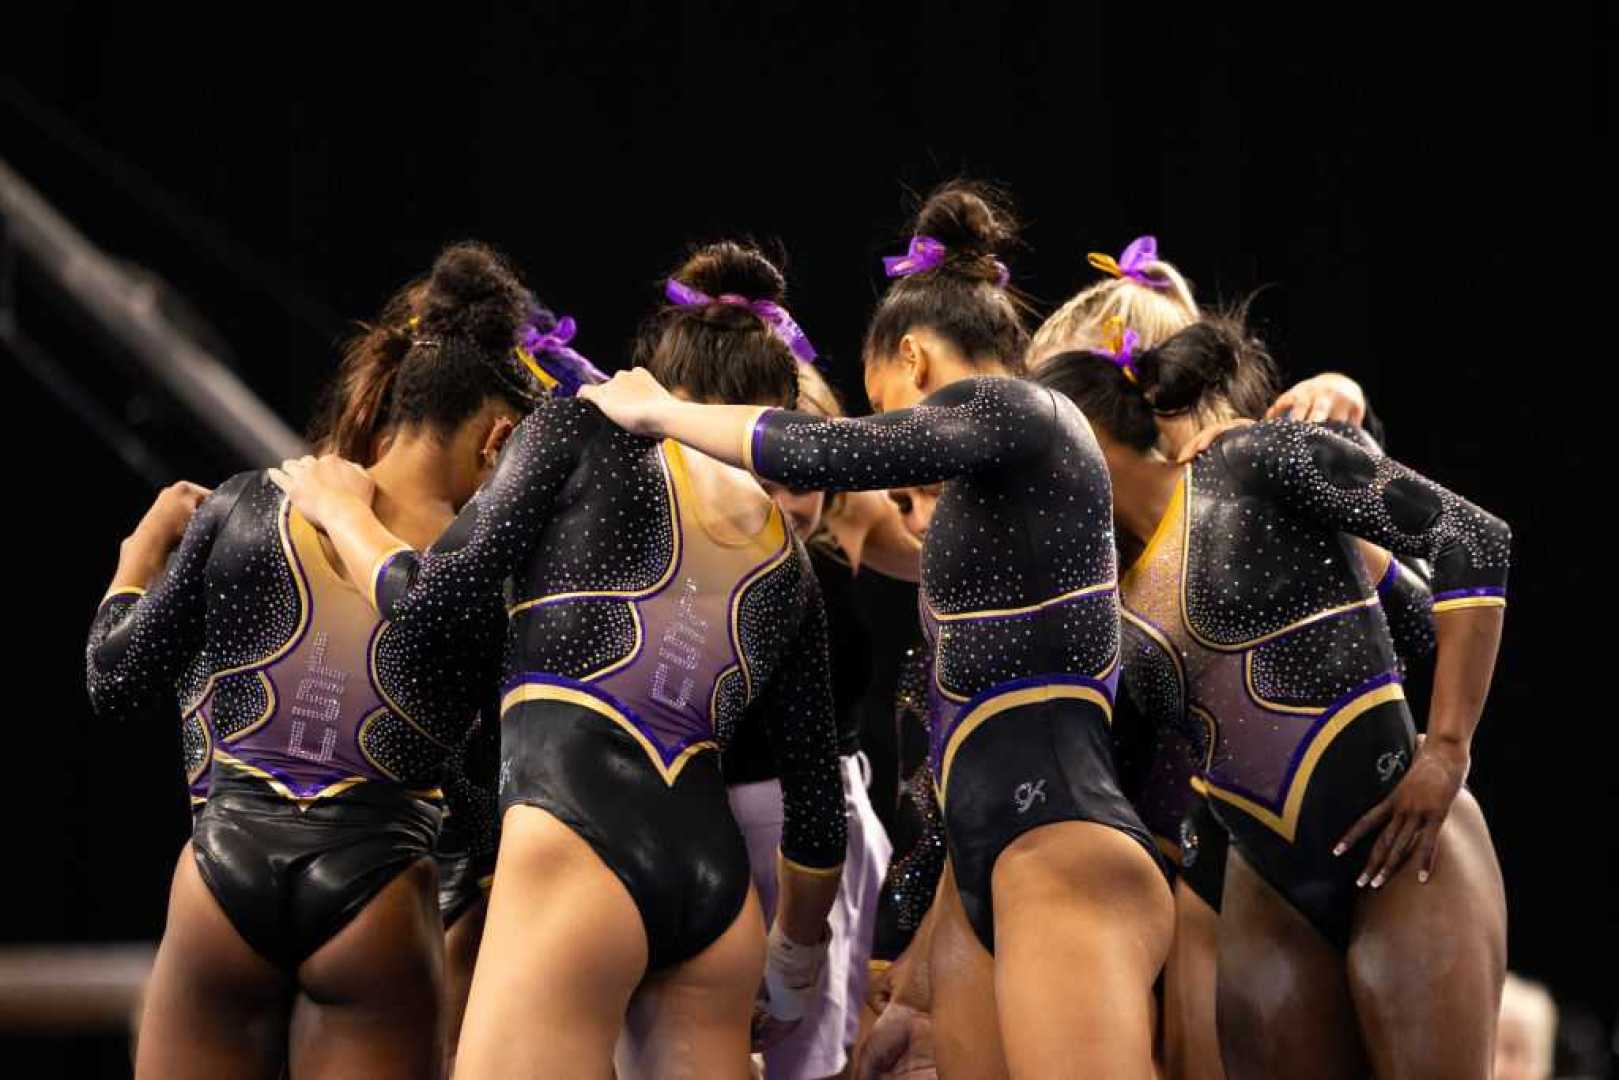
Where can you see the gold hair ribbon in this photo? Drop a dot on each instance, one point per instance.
(546, 379)
(413, 322)
(1120, 343)
(1105, 263)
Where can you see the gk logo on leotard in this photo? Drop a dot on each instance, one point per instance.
(1390, 765)
(319, 700)
(1028, 793)
(680, 647)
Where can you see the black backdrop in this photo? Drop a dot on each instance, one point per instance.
(1416, 194)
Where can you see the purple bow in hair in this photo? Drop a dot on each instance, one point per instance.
(926, 253)
(559, 369)
(774, 315)
(1132, 263)
(1120, 346)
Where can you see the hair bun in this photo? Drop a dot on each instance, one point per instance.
(968, 219)
(727, 267)
(473, 292)
(1202, 359)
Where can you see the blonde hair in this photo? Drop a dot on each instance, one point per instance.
(1532, 1004)
(1156, 312)
(815, 395)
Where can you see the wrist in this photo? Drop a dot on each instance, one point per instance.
(1451, 750)
(139, 561)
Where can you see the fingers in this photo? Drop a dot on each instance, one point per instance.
(281, 480)
(1370, 820)
(1320, 408)
(1428, 853)
(1401, 833)
(1282, 406)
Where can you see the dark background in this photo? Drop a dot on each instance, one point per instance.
(1419, 196)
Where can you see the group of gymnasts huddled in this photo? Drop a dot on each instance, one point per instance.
(518, 729)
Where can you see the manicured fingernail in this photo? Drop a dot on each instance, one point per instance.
(1360, 882)
(1422, 876)
(1377, 882)
(1339, 850)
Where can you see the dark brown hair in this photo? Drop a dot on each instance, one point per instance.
(963, 299)
(439, 349)
(722, 352)
(1212, 363)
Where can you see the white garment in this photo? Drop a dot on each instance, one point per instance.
(820, 1046)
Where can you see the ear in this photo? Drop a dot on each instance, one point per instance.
(915, 355)
(499, 431)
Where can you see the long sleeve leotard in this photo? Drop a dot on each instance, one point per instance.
(626, 604)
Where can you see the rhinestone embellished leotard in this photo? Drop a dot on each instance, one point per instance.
(640, 634)
(1257, 642)
(296, 693)
(1018, 596)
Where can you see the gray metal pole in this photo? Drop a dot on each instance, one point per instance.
(128, 311)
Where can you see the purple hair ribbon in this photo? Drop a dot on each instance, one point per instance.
(546, 354)
(1120, 347)
(774, 315)
(1132, 263)
(926, 253)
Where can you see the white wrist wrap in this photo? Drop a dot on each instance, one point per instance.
(792, 975)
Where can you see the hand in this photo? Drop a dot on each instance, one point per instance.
(879, 988)
(1413, 813)
(1328, 396)
(900, 1044)
(1205, 438)
(792, 984)
(163, 525)
(319, 486)
(767, 1031)
(633, 400)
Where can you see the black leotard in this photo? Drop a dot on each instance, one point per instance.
(330, 746)
(471, 835)
(1262, 643)
(639, 637)
(1162, 748)
(1018, 597)
(918, 832)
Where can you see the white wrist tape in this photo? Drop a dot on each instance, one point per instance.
(792, 975)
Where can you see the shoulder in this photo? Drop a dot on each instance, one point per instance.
(1281, 448)
(994, 391)
(254, 486)
(1010, 408)
(561, 420)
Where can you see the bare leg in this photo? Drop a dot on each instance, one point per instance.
(966, 1030)
(564, 950)
(1284, 1004)
(693, 1019)
(1426, 962)
(1083, 921)
(371, 1001)
(214, 1007)
(1191, 1040)
(461, 942)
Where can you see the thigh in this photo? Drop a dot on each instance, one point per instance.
(563, 951)
(1191, 1041)
(694, 1018)
(1283, 1001)
(1408, 936)
(371, 997)
(966, 1029)
(213, 1007)
(461, 941)
(1083, 922)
